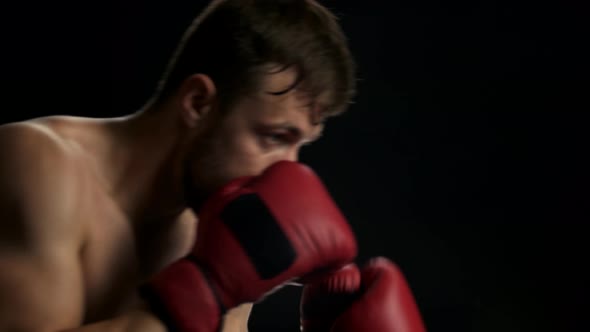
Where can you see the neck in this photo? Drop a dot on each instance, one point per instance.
(148, 151)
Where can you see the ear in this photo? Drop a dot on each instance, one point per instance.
(197, 95)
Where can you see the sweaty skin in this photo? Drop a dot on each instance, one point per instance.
(90, 208)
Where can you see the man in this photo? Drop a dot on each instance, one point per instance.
(93, 208)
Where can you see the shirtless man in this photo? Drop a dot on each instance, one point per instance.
(92, 208)
(98, 216)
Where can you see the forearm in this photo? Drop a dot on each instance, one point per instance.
(138, 320)
(236, 319)
(142, 320)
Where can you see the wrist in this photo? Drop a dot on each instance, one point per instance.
(236, 319)
(181, 296)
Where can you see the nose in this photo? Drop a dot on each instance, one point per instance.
(288, 155)
(293, 154)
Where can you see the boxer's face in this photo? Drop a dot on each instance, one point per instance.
(258, 131)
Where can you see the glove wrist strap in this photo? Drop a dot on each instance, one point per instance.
(182, 297)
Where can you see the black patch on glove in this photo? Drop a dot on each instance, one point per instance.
(260, 235)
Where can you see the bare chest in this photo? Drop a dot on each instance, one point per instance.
(116, 260)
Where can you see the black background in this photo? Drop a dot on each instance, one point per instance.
(463, 158)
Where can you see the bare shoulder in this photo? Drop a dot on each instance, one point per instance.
(27, 134)
(32, 153)
(37, 175)
(40, 238)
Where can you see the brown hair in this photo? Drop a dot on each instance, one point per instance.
(233, 41)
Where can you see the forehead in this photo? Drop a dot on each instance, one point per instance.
(278, 96)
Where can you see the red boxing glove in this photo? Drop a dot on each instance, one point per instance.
(382, 303)
(254, 235)
(324, 300)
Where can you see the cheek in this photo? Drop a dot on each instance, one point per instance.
(244, 156)
(221, 160)
(230, 156)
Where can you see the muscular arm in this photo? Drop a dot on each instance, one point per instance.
(41, 283)
(138, 320)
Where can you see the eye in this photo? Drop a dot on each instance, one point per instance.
(276, 138)
(273, 139)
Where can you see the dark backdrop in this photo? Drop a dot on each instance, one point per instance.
(462, 158)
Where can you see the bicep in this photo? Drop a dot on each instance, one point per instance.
(41, 291)
(41, 285)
